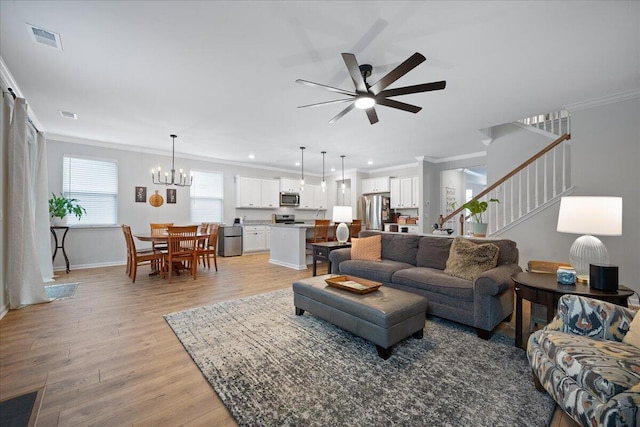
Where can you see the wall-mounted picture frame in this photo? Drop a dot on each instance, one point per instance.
(171, 195)
(141, 194)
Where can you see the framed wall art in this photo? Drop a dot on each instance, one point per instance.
(171, 195)
(141, 194)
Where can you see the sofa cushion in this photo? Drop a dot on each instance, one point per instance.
(433, 252)
(366, 248)
(603, 367)
(468, 259)
(508, 251)
(378, 271)
(436, 281)
(399, 247)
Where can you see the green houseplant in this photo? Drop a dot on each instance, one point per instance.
(476, 208)
(60, 207)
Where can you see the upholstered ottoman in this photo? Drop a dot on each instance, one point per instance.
(384, 317)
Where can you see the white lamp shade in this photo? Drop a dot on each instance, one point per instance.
(342, 214)
(600, 216)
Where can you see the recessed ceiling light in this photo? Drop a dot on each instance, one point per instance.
(68, 115)
(370, 162)
(297, 163)
(333, 169)
(44, 37)
(252, 156)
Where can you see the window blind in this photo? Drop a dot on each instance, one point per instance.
(207, 197)
(94, 183)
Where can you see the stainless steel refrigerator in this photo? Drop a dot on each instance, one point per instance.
(375, 210)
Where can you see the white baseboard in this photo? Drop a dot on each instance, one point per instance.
(5, 310)
(86, 266)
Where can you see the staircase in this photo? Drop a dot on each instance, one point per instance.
(534, 185)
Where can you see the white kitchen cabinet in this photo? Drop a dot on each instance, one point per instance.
(254, 238)
(402, 193)
(313, 198)
(375, 185)
(415, 192)
(270, 193)
(288, 185)
(267, 238)
(257, 193)
(320, 198)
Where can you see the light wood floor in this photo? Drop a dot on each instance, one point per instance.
(107, 357)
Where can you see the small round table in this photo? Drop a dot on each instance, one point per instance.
(544, 289)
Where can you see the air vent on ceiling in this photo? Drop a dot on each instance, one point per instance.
(68, 115)
(45, 37)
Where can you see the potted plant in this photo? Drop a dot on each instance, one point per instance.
(60, 207)
(476, 208)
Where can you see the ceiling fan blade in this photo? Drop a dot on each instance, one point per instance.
(371, 113)
(321, 104)
(426, 87)
(342, 113)
(330, 88)
(393, 75)
(399, 105)
(354, 71)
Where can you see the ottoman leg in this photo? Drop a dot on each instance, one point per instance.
(299, 311)
(385, 353)
(418, 334)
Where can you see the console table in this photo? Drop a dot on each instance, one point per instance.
(61, 245)
(322, 250)
(544, 289)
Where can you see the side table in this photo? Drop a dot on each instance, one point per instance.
(322, 250)
(544, 289)
(61, 245)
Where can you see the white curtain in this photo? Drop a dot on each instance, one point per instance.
(24, 275)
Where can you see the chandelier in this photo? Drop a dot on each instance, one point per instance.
(182, 177)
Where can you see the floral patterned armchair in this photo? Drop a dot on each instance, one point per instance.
(581, 361)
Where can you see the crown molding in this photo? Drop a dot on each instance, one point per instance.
(452, 158)
(605, 100)
(7, 81)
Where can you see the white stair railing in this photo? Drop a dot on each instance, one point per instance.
(556, 123)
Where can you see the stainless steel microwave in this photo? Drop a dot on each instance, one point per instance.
(289, 199)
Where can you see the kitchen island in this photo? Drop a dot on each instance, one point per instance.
(288, 245)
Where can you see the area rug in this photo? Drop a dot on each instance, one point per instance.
(66, 290)
(273, 368)
(21, 411)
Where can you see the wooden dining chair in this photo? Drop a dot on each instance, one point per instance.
(182, 249)
(210, 247)
(159, 228)
(320, 231)
(354, 228)
(135, 258)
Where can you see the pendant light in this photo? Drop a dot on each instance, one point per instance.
(342, 185)
(323, 185)
(302, 168)
(182, 178)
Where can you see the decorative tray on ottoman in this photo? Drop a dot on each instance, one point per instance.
(353, 284)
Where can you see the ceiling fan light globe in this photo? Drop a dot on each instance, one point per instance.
(365, 102)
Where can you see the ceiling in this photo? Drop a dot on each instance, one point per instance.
(221, 75)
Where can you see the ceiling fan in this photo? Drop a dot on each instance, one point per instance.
(366, 96)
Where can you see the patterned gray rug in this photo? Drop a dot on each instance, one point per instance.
(66, 290)
(273, 368)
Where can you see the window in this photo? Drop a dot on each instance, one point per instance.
(207, 196)
(95, 184)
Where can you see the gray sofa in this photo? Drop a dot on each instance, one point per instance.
(416, 263)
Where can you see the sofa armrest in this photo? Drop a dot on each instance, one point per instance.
(495, 281)
(337, 256)
(593, 318)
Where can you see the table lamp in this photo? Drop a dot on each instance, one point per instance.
(342, 215)
(589, 215)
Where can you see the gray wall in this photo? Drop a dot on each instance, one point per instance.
(605, 150)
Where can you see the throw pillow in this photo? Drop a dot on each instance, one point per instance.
(467, 259)
(633, 334)
(366, 248)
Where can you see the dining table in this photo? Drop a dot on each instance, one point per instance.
(164, 238)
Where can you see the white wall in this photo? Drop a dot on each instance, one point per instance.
(605, 150)
(4, 297)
